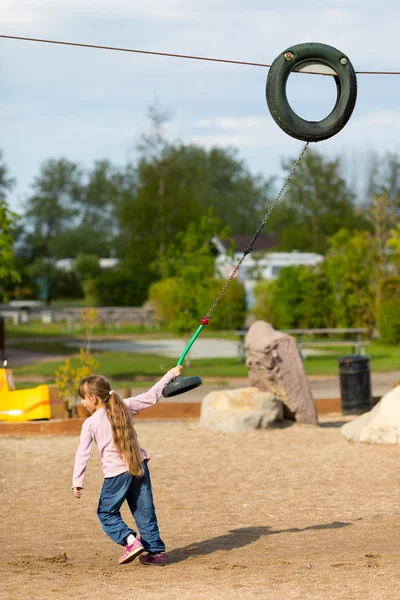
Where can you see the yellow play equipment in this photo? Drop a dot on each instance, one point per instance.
(41, 402)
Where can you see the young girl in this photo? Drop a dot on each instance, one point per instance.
(126, 474)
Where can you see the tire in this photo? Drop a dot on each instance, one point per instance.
(346, 85)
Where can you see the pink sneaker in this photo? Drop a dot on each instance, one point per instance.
(131, 552)
(156, 560)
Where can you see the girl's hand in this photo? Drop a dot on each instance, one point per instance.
(177, 370)
(77, 492)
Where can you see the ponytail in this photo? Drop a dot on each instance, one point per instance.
(123, 431)
(124, 434)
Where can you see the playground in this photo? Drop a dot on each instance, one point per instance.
(291, 512)
(295, 512)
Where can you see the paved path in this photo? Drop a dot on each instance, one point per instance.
(202, 348)
(322, 387)
(173, 347)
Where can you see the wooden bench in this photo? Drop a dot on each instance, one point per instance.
(358, 342)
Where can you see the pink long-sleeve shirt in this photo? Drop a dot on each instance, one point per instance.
(97, 428)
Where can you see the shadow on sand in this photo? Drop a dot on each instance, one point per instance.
(237, 538)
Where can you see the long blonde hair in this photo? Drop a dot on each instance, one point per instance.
(123, 431)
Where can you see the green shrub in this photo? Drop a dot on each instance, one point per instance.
(391, 287)
(389, 314)
(318, 305)
(389, 321)
(66, 285)
(264, 308)
(161, 299)
(301, 296)
(228, 314)
(289, 293)
(118, 288)
(231, 309)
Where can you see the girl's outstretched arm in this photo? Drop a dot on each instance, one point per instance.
(154, 394)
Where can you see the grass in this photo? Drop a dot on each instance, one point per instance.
(50, 347)
(130, 367)
(383, 358)
(37, 329)
(121, 365)
(127, 367)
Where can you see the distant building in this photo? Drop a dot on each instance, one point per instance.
(256, 267)
(67, 264)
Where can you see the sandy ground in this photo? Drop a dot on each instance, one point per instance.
(296, 512)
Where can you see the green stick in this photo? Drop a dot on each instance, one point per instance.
(190, 344)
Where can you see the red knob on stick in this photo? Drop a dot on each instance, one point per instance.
(204, 320)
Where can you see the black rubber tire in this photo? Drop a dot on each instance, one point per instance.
(280, 109)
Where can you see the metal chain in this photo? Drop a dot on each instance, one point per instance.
(257, 233)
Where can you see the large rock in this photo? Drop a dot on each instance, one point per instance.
(381, 425)
(275, 366)
(240, 410)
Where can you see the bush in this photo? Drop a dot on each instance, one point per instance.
(229, 313)
(66, 286)
(391, 287)
(389, 314)
(87, 266)
(300, 297)
(318, 310)
(118, 288)
(289, 293)
(264, 307)
(161, 299)
(389, 321)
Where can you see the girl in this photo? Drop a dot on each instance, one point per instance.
(126, 474)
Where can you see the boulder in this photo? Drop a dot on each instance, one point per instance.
(381, 425)
(240, 410)
(275, 366)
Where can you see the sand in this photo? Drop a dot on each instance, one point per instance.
(296, 512)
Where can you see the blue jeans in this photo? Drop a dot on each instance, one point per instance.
(139, 496)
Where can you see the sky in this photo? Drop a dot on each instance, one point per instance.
(89, 104)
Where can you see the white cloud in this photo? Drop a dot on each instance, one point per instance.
(16, 10)
(229, 122)
(21, 12)
(245, 132)
(376, 128)
(379, 118)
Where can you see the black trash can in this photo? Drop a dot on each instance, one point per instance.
(355, 384)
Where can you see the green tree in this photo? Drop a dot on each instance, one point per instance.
(264, 302)
(289, 291)
(51, 209)
(317, 203)
(384, 178)
(118, 287)
(8, 226)
(300, 297)
(319, 300)
(349, 266)
(389, 314)
(49, 213)
(87, 269)
(394, 244)
(382, 214)
(96, 211)
(188, 287)
(174, 184)
(8, 272)
(190, 262)
(87, 266)
(6, 181)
